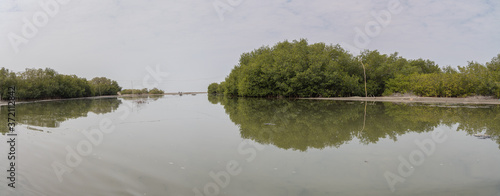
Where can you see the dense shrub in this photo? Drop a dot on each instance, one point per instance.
(142, 91)
(213, 88)
(156, 91)
(299, 69)
(47, 83)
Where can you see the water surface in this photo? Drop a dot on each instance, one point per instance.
(199, 145)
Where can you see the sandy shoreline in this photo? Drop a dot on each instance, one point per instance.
(447, 100)
(4, 102)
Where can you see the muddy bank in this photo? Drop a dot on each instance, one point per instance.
(447, 100)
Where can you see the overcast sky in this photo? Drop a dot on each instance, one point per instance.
(199, 41)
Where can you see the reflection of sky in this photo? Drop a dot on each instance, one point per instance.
(169, 146)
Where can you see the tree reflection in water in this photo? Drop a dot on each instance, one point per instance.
(53, 113)
(303, 124)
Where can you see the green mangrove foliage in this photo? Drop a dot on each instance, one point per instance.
(473, 79)
(299, 69)
(104, 86)
(213, 88)
(47, 83)
(156, 91)
(52, 113)
(304, 124)
(142, 91)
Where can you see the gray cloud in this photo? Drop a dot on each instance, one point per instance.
(120, 38)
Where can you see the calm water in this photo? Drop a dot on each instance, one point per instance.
(199, 145)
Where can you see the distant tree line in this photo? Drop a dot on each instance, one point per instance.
(47, 83)
(142, 91)
(299, 69)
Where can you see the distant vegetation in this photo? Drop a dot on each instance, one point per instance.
(299, 69)
(142, 91)
(47, 83)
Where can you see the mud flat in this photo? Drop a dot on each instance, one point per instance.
(446, 100)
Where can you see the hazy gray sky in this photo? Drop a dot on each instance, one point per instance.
(199, 41)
